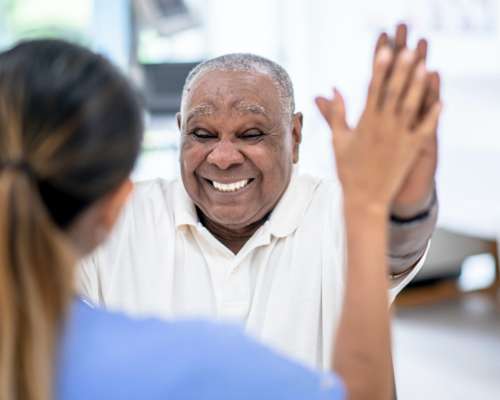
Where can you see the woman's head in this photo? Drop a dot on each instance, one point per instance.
(70, 132)
(71, 119)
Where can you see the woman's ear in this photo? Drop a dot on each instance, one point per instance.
(94, 225)
(113, 203)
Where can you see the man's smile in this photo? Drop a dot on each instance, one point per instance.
(229, 186)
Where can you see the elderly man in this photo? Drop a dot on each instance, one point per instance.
(243, 236)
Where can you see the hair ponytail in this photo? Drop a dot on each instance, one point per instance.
(35, 288)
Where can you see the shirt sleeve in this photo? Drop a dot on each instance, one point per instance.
(408, 241)
(398, 282)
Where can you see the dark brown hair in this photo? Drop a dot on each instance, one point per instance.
(70, 132)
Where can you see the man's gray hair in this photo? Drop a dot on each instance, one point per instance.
(247, 62)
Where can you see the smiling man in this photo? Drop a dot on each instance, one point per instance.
(240, 141)
(243, 236)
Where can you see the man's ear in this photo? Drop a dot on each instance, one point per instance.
(113, 203)
(297, 121)
(178, 117)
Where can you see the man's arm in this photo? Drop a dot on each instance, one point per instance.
(409, 236)
(414, 209)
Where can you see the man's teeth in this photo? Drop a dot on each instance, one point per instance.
(230, 187)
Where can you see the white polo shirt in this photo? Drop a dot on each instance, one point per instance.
(285, 285)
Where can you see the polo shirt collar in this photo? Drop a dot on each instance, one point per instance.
(291, 209)
(184, 209)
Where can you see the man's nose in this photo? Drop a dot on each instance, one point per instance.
(225, 154)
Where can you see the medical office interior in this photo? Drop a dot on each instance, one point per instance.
(447, 322)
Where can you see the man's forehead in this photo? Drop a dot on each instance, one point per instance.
(252, 85)
(243, 92)
(232, 74)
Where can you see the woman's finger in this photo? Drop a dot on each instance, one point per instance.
(339, 118)
(401, 37)
(382, 41)
(381, 67)
(398, 80)
(324, 108)
(333, 111)
(422, 47)
(413, 97)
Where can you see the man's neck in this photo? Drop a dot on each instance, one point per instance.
(233, 239)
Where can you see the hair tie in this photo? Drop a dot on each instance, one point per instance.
(18, 165)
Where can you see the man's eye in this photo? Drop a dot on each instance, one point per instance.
(203, 134)
(252, 134)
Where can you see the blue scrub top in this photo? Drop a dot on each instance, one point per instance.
(106, 355)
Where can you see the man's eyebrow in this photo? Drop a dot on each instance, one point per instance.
(200, 111)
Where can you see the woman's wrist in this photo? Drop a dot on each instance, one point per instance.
(360, 208)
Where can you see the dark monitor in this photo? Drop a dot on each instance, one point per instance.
(163, 84)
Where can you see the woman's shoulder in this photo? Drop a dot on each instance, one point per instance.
(108, 355)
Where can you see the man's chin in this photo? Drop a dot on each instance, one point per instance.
(232, 219)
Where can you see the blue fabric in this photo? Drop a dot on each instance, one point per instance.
(106, 355)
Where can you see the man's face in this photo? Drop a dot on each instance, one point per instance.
(238, 146)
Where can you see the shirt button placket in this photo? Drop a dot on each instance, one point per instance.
(235, 298)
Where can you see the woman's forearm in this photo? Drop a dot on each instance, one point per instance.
(363, 347)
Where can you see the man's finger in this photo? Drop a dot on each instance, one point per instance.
(432, 93)
(381, 67)
(428, 127)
